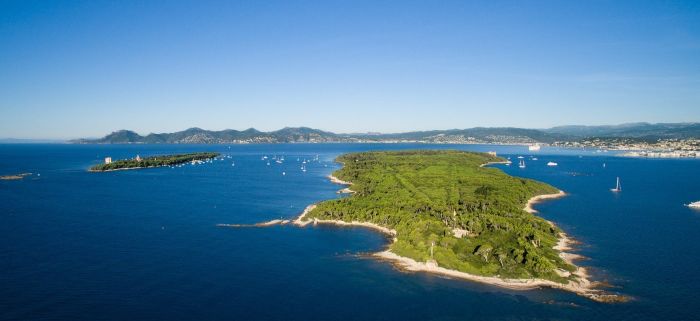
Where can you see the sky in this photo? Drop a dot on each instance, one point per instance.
(72, 69)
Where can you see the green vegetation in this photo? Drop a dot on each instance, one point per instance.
(154, 161)
(425, 195)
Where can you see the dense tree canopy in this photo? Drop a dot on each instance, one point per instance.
(474, 214)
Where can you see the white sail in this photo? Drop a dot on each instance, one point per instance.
(618, 186)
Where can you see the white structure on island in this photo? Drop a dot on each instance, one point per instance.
(108, 160)
(138, 158)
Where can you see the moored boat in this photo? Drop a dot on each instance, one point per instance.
(618, 187)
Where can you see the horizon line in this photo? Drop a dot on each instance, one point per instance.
(61, 140)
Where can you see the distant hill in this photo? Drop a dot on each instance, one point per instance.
(202, 136)
(484, 135)
(632, 130)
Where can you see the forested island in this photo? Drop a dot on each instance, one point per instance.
(153, 161)
(462, 219)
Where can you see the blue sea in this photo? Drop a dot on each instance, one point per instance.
(143, 244)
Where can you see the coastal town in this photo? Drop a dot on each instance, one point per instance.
(660, 148)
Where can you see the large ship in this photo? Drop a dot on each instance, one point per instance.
(533, 147)
(694, 204)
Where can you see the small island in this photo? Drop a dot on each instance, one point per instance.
(14, 177)
(153, 161)
(446, 213)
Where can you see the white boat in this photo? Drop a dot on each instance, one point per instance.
(618, 187)
(552, 164)
(534, 158)
(522, 163)
(694, 204)
(520, 157)
(534, 147)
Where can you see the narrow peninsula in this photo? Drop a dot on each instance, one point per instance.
(153, 161)
(448, 214)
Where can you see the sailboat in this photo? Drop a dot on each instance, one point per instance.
(522, 163)
(618, 187)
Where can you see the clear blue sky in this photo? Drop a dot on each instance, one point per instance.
(84, 68)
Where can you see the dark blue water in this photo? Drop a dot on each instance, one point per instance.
(143, 244)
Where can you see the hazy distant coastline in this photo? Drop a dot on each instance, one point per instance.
(561, 136)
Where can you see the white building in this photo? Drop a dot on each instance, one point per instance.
(108, 160)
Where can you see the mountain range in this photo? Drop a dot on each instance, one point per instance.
(497, 135)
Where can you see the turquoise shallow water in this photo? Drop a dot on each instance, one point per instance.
(143, 244)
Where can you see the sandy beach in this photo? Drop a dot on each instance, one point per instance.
(539, 198)
(336, 180)
(493, 163)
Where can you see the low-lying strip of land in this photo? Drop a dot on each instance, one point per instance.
(14, 177)
(153, 161)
